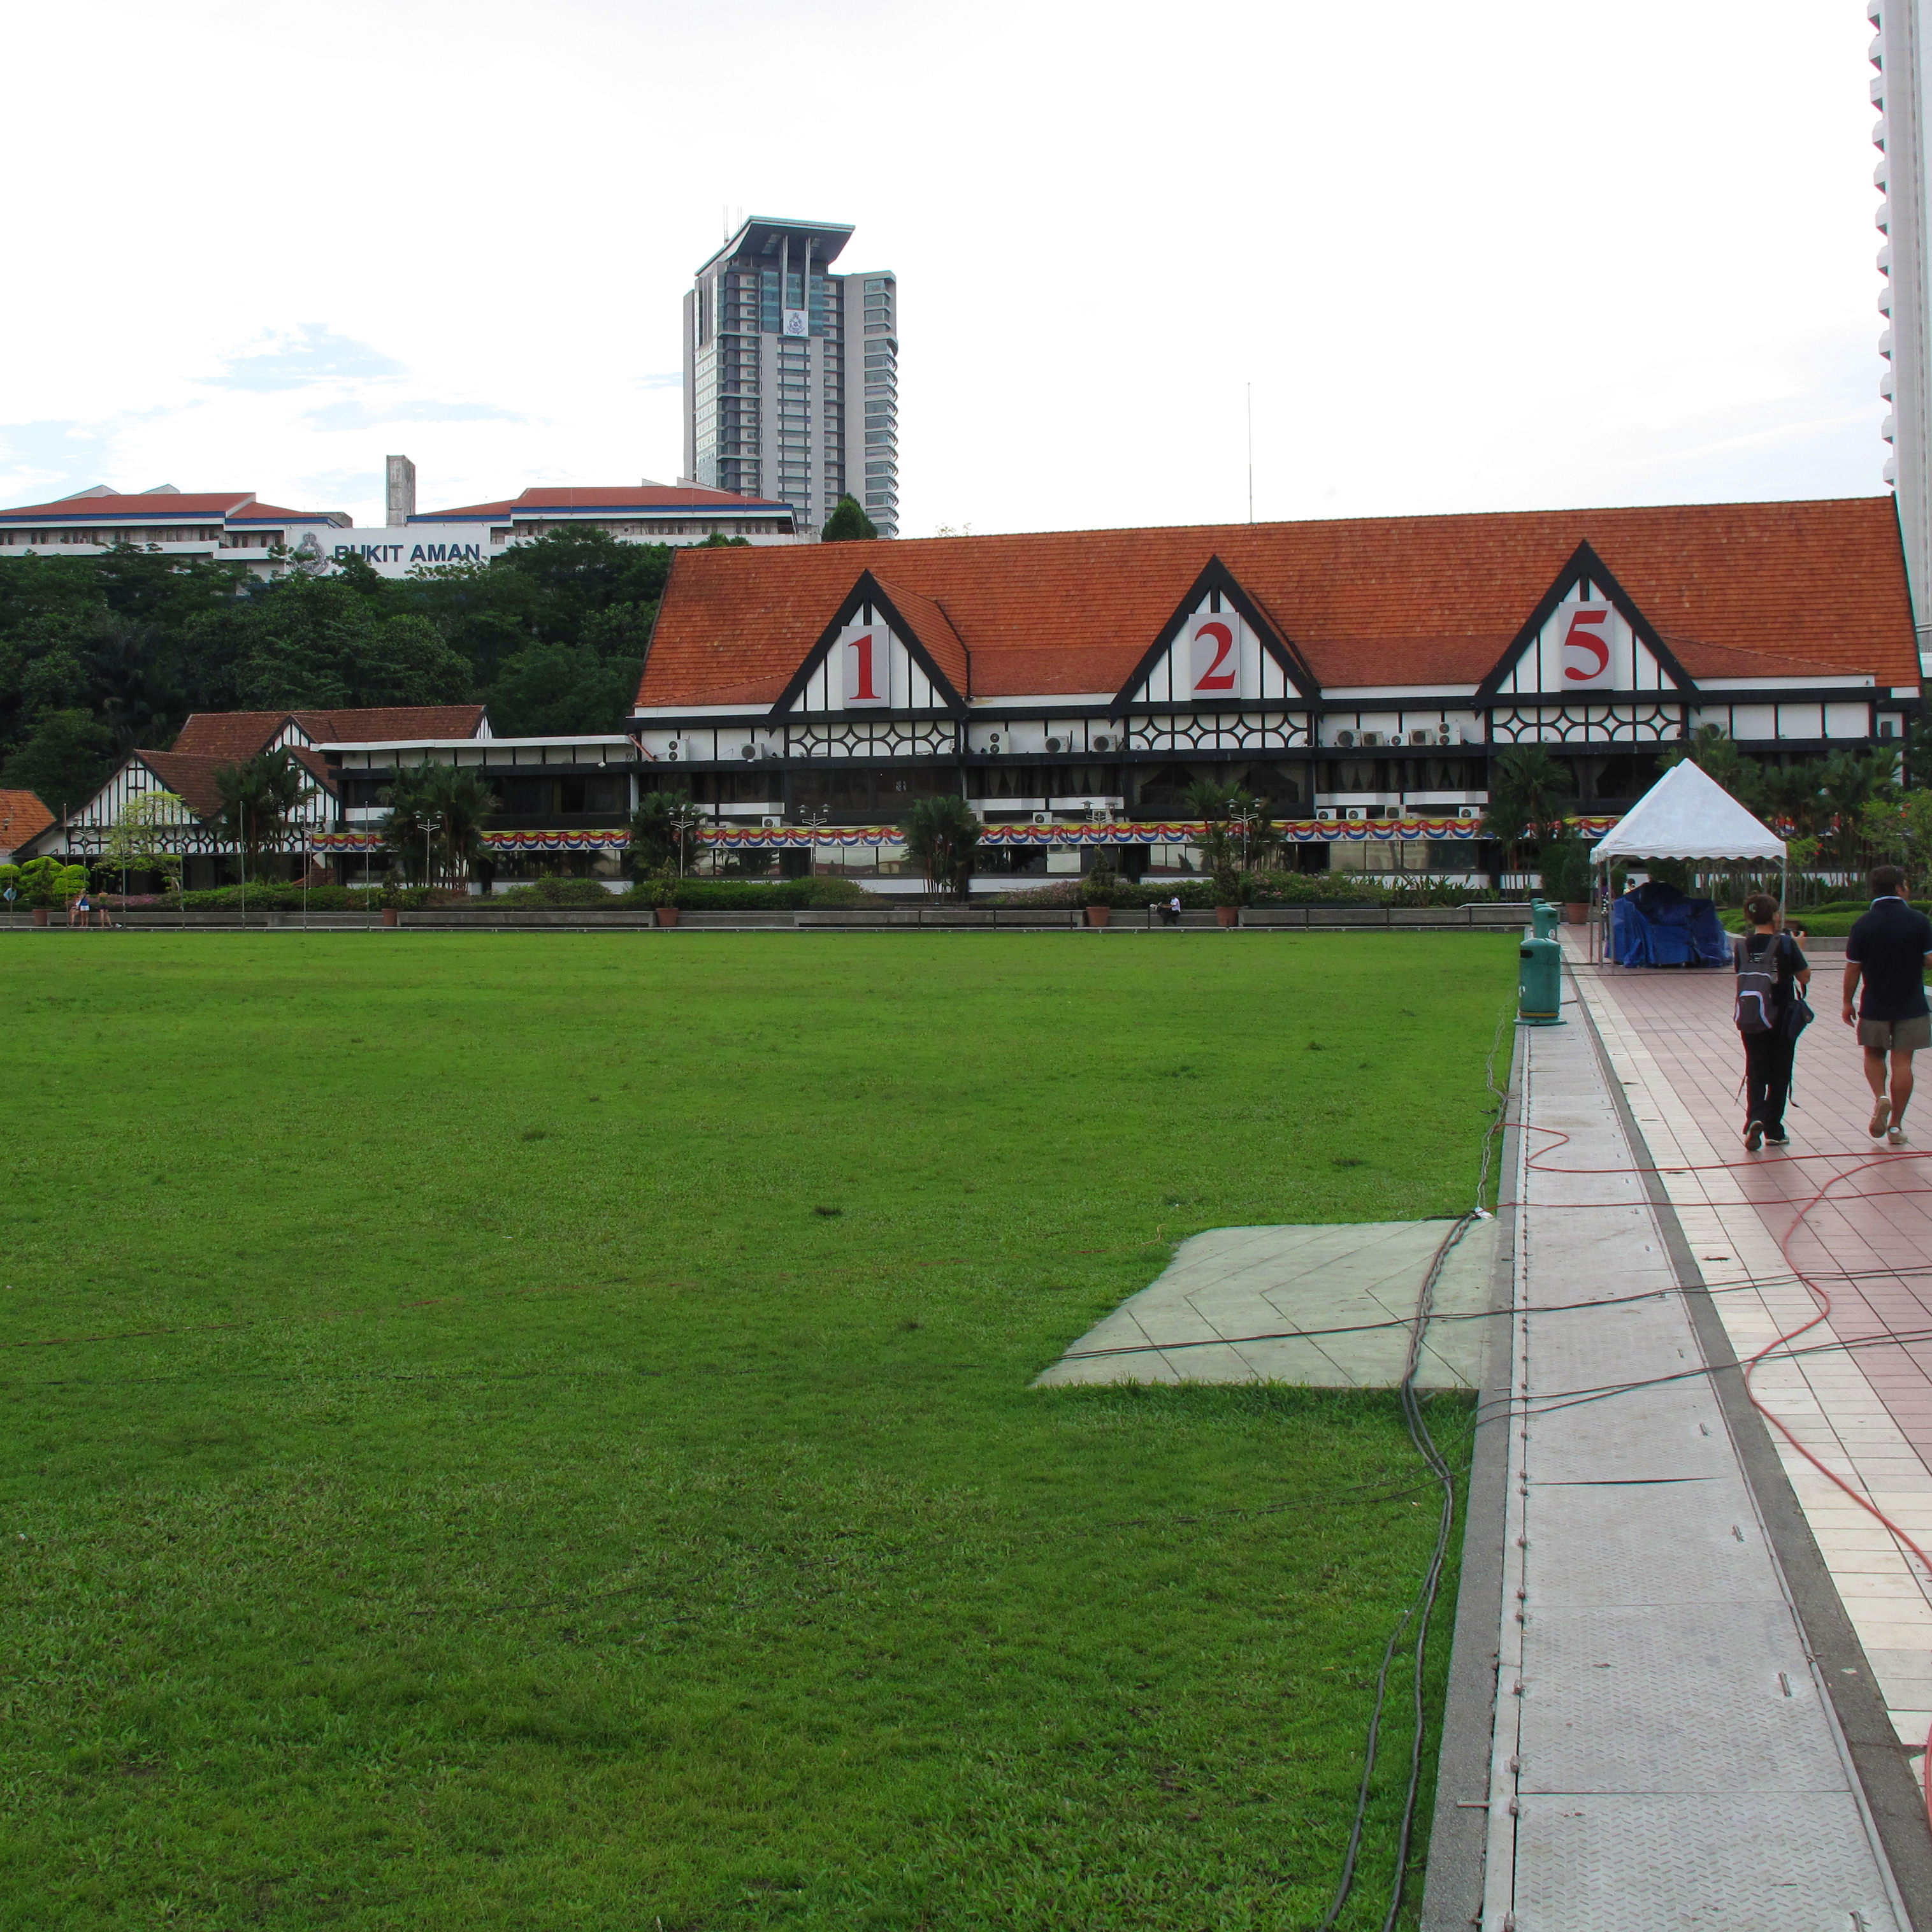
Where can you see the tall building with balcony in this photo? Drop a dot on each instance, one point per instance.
(791, 373)
(1898, 92)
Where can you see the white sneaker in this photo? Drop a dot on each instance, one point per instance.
(1895, 1138)
(1881, 1114)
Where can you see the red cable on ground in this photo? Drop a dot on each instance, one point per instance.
(1865, 1161)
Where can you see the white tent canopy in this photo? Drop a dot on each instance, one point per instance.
(1687, 814)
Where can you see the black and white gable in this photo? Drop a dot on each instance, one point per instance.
(1217, 649)
(1585, 639)
(871, 659)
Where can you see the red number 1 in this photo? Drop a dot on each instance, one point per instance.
(865, 694)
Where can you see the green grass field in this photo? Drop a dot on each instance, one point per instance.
(511, 1431)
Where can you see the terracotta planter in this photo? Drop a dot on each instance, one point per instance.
(1227, 915)
(1098, 915)
(39, 915)
(388, 915)
(1576, 912)
(666, 915)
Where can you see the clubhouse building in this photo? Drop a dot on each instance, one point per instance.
(1361, 676)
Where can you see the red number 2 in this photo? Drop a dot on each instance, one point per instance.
(1214, 678)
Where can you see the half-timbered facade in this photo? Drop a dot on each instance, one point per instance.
(212, 740)
(1364, 669)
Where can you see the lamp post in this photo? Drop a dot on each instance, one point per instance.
(431, 823)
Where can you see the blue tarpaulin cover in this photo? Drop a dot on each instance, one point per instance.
(1658, 925)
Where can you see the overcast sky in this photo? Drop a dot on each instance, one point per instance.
(1483, 256)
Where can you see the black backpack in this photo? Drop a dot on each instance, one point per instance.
(1762, 982)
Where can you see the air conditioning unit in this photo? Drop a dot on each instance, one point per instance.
(1358, 812)
(1372, 737)
(1106, 744)
(993, 741)
(672, 750)
(749, 751)
(1043, 818)
(1345, 738)
(1468, 811)
(1418, 737)
(768, 822)
(1056, 744)
(1442, 737)
(1325, 811)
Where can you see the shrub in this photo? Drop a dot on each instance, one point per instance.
(755, 896)
(559, 893)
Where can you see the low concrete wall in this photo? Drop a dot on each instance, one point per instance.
(841, 919)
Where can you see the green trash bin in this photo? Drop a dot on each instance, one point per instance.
(1539, 983)
(1545, 917)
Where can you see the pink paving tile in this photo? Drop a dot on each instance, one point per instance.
(1869, 1242)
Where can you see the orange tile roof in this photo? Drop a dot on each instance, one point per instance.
(1781, 589)
(190, 777)
(22, 815)
(227, 735)
(231, 735)
(376, 724)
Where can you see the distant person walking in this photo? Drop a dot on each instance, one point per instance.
(1889, 949)
(1771, 974)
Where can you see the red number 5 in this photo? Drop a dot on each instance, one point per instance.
(1595, 649)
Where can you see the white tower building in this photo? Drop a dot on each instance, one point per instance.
(791, 373)
(1898, 92)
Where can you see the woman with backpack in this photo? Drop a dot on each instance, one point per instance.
(1771, 976)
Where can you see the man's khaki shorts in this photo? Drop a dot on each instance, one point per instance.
(1911, 1035)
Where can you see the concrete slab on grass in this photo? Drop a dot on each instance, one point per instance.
(1327, 1306)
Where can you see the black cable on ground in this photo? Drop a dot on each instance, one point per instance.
(1420, 1612)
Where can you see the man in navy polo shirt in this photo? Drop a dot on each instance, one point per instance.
(1890, 948)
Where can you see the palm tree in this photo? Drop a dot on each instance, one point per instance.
(437, 816)
(1714, 752)
(664, 833)
(1527, 790)
(256, 800)
(942, 837)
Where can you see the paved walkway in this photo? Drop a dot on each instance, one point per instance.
(1665, 1752)
(1866, 1410)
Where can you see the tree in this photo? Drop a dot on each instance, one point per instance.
(317, 643)
(847, 524)
(551, 689)
(1716, 755)
(664, 833)
(139, 840)
(1528, 789)
(64, 762)
(39, 882)
(258, 797)
(1901, 830)
(458, 804)
(942, 839)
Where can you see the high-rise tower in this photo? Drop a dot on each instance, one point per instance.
(1898, 92)
(791, 373)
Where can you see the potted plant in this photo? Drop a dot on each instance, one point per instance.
(661, 886)
(1100, 887)
(39, 887)
(1565, 862)
(1228, 892)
